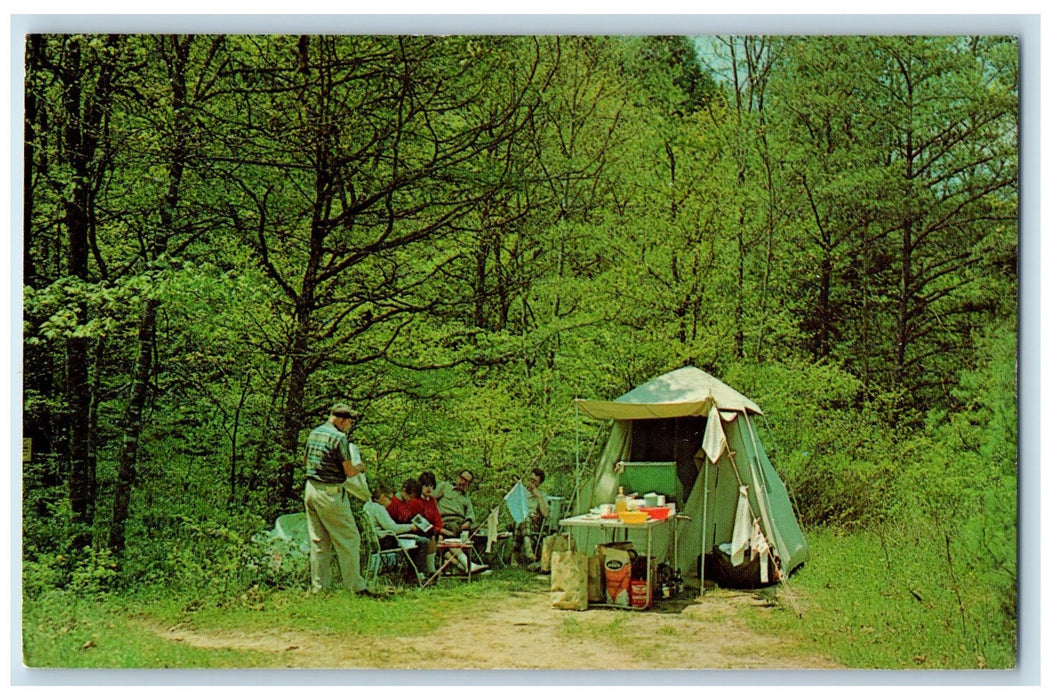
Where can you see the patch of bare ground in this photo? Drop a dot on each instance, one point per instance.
(527, 633)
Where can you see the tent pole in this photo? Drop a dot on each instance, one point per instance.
(704, 524)
(576, 448)
(762, 497)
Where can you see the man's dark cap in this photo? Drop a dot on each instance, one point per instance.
(342, 410)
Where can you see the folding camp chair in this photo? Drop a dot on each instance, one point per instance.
(379, 558)
(555, 507)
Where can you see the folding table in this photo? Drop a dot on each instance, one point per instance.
(454, 546)
(589, 520)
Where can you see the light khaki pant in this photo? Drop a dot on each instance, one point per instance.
(331, 526)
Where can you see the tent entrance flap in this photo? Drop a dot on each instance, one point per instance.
(670, 440)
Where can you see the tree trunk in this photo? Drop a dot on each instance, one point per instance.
(79, 148)
(147, 325)
(905, 291)
(133, 427)
(481, 259)
(824, 308)
(300, 368)
(78, 406)
(293, 414)
(902, 322)
(38, 421)
(234, 430)
(739, 303)
(33, 52)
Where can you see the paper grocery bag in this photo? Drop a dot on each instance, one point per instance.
(569, 580)
(550, 545)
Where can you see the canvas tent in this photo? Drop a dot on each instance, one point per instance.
(692, 434)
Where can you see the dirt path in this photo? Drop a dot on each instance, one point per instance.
(704, 633)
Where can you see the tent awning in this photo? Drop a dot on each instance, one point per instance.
(633, 411)
(686, 391)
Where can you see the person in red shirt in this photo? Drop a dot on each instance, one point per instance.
(423, 503)
(427, 505)
(398, 508)
(407, 504)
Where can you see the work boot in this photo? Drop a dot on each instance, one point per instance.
(366, 593)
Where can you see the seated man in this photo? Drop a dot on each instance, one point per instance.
(524, 550)
(427, 505)
(455, 506)
(388, 530)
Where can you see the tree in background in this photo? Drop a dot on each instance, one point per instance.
(461, 234)
(949, 118)
(170, 111)
(72, 83)
(361, 165)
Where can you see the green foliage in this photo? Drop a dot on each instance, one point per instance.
(90, 574)
(844, 492)
(462, 234)
(893, 601)
(43, 573)
(209, 559)
(95, 574)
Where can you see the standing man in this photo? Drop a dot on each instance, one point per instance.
(455, 505)
(330, 459)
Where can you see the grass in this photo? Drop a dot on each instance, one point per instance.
(64, 630)
(871, 613)
(848, 603)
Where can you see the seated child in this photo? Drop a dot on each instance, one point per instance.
(425, 504)
(398, 508)
(388, 529)
(402, 508)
